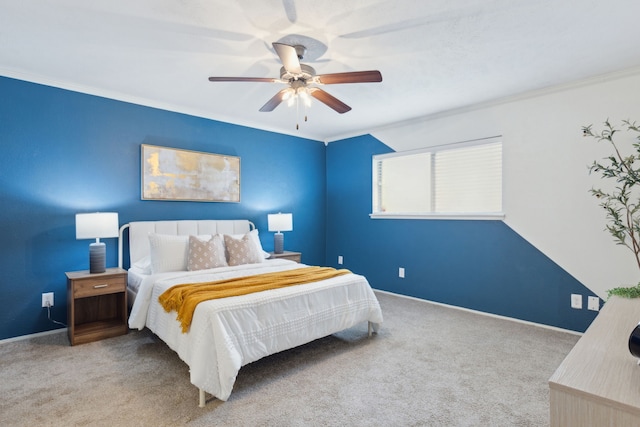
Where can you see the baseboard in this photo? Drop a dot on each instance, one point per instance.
(497, 316)
(39, 334)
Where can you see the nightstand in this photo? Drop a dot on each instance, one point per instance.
(96, 305)
(293, 256)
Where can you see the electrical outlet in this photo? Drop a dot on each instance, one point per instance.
(576, 301)
(47, 299)
(340, 259)
(401, 272)
(593, 303)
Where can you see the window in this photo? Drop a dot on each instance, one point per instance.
(453, 180)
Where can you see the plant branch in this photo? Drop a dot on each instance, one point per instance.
(619, 205)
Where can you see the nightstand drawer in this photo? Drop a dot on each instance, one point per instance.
(98, 286)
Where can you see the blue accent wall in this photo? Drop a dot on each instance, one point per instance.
(64, 152)
(480, 265)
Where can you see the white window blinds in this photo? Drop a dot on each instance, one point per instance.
(469, 180)
(457, 179)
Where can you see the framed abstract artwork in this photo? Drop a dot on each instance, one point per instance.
(184, 175)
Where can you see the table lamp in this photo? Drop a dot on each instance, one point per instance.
(279, 222)
(96, 226)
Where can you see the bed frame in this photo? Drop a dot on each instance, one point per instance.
(139, 230)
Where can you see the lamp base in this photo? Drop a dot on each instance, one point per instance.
(278, 243)
(97, 258)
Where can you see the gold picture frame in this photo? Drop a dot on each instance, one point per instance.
(185, 175)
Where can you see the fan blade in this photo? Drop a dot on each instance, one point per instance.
(243, 79)
(289, 57)
(290, 10)
(373, 76)
(275, 101)
(330, 100)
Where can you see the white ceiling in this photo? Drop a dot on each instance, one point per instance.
(434, 55)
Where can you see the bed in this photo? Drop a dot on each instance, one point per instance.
(226, 334)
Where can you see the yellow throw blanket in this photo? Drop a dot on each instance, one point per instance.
(184, 298)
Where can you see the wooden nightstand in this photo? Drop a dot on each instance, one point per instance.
(96, 305)
(293, 256)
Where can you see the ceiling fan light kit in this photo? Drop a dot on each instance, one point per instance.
(302, 80)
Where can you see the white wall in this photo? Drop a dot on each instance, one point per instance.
(546, 179)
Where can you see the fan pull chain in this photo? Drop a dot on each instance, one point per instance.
(297, 112)
(304, 105)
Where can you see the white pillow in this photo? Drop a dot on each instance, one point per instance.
(168, 252)
(255, 237)
(143, 265)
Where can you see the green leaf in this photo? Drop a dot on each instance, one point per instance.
(625, 292)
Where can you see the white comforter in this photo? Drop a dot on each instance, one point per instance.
(229, 333)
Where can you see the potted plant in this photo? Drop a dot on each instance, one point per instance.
(622, 204)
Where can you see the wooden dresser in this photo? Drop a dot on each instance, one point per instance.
(598, 383)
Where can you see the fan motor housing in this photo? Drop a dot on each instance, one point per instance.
(307, 74)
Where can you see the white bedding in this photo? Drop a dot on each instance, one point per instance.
(229, 333)
(134, 279)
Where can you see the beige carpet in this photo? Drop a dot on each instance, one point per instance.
(429, 365)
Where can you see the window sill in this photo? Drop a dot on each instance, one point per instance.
(462, 216)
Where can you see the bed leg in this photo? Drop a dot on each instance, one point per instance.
(202, 398)
(370, 325)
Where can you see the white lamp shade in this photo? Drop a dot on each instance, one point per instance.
(96, 225)
(280, 222)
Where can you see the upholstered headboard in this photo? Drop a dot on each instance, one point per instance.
(139, 233)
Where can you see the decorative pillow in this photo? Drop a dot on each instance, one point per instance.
(168, 252)
(256, 239)
(204, 254)
(242, 251)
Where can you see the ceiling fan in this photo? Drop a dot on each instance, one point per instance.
(301, 80)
